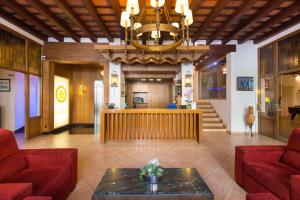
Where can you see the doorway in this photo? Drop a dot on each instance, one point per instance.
(12, 102)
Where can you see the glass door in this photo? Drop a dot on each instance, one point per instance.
(266, 101)
(288, 117)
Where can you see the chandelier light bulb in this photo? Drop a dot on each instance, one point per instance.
(157, 3)
(125, 20)
(177, 26)
(132, 7)
(154, 34)
(181, 6)
(188, 17)
(136, 26)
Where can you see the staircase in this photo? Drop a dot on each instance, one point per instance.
(211, 120)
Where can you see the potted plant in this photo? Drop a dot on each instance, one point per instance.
(152, 172)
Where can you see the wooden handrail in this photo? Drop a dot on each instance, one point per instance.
(145, 124)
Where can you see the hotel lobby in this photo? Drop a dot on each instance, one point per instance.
(149, 99)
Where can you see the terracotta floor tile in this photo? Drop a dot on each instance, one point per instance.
(214, 158)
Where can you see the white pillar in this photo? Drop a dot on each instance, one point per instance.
(187, 92)
(115, 92)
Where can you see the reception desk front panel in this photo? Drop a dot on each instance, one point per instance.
(151, 124)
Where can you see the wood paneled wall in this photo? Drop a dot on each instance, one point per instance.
(82, 108)
(159, 94)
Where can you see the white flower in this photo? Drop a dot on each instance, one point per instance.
(154, 162)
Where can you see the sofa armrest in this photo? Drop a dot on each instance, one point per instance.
(295, 187)
(12, 191)
(257, 154)
(38, 198)
(54, 158)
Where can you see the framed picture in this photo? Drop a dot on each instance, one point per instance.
(4, 85)
(245, 83)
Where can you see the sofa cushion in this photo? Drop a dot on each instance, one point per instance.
(12, 165)
(291, 155)
(15, 191)
(274, 177)
(46, 181)
(8, 144)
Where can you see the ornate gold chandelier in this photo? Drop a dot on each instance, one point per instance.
(132, 22)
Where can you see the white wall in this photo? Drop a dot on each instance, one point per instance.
(19, 100)
(187, 92)
(243, 62)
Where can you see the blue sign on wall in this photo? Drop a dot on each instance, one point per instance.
(245, 84)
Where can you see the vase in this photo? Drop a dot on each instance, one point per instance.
(152, 179)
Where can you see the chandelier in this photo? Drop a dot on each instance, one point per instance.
(132, 18)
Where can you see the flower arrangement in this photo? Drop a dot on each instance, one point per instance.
(152, 172)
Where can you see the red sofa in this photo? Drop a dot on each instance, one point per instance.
(261, 196)
(39, 174)
(274, 169)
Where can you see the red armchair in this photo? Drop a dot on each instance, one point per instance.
(41, 174)
(274, 169)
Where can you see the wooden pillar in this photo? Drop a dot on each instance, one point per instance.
(27, 95)
(48, 96)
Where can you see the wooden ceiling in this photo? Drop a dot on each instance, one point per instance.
(213, 19)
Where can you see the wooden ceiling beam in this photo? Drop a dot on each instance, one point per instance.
(232, 19)
(117, 10)
(19, 10)
(93, 11)
(278, 29)
(23, 25)
(285, 13)
(67, 9)
(44, 10)
(195, 4)
(210, 19)
(260, 13)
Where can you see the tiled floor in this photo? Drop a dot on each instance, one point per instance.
(214, 158)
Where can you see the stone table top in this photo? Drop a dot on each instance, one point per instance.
(176, 182)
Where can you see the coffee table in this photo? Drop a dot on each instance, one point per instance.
(177, 183)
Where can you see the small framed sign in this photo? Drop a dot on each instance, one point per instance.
(245, 83)
(4, 85)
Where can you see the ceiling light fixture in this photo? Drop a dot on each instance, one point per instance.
(131, 22)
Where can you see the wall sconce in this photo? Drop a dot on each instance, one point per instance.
(188, 79)
(114, 79)
(82, 89)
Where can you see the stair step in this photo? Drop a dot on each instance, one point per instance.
(210, 130)
(210, 115)
(208, 110)
(203, 103)
(212, 125)
(212, 120)
(203, 106)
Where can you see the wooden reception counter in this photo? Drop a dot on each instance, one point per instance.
(146, 124)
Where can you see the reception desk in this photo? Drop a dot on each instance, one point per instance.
(150, 124)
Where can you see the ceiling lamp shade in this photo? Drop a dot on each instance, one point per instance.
(136, 26)
(157, 3)
(125, 21)
(188, 20)
(176, 25)
(181, 6)
(132, 7)
(154, 34)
